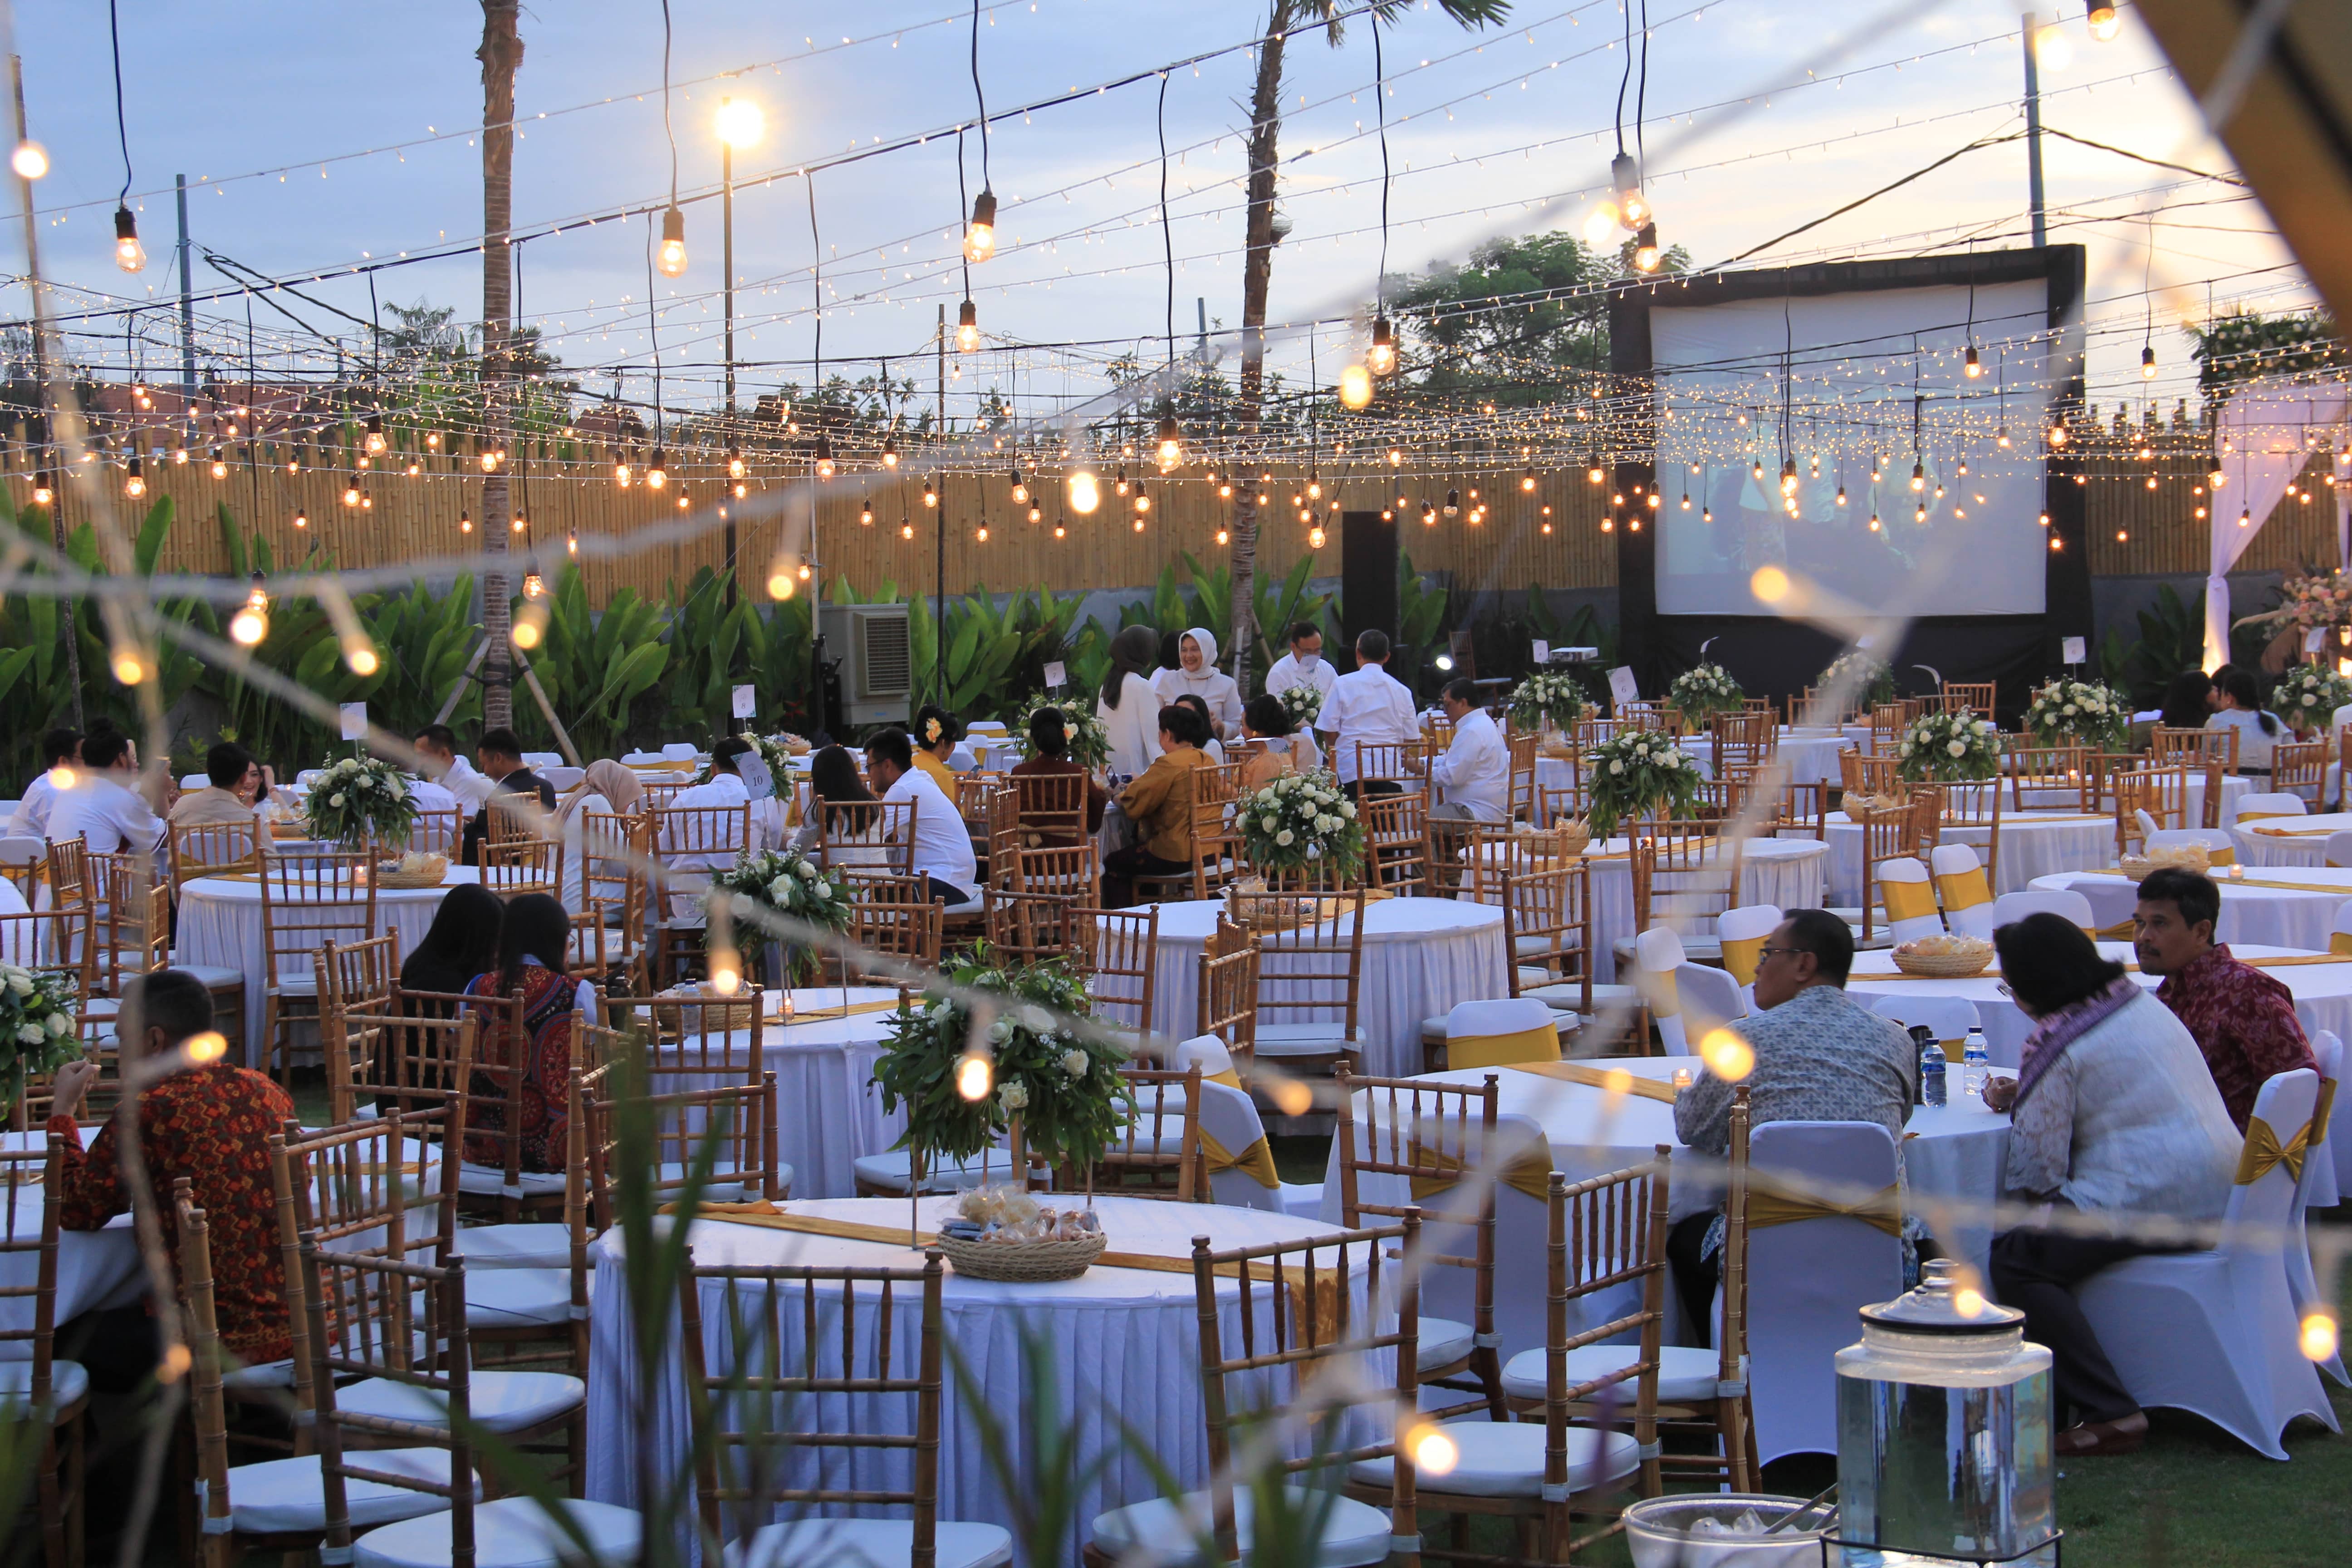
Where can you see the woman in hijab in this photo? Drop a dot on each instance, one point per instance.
(1128, 706)
(606, 789)
(1197, 675)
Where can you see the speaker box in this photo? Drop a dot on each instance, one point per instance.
(1368, 578)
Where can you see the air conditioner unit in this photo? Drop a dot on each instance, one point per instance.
(876, 663)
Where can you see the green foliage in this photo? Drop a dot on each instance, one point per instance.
(1565, 324)
(424, 638)
(996, 659)
(176, 669)
(1421, 607)
(706, 639)
(2171, 640)
(1280, 605)
(2240, 347)
(593, 667)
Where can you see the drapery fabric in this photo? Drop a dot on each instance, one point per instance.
(2260, 442)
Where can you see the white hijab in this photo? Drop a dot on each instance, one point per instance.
(1176, 678)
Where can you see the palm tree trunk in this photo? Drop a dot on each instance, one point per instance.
(1257, 270)
(501, 53)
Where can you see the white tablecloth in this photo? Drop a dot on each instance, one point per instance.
(1125, 1345)
(220, 923)
(1420, 957)
(2323, 994)
(2032, 844)
(2299, 917)
(95, 1268)
(1783, 872)
(2289, 840)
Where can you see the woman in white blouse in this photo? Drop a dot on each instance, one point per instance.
(1128, 706)
(2242, 709)
(1197, 675)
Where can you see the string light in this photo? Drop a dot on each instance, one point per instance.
(1085, 490)
(30, 160)
(1020, 491)
(670, 260)
(1380, 359)
(889, 451)
(43, 494)
(134, 480)
(1645, 248)
(301, 518)
(128, 254)
(250, 624)
(823, 457)
(734, 463)
(967, 327)
(1172, 443)
(465, 522)
(864, 512)
(1972, 367)
(657, 471)
(2148, 362)
(980, 238)
(1356, 388)
(374, 434)
(2104, 24)
(930, 496)
(572, 541)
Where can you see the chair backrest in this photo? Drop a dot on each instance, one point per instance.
(1396, 842)
(32, 1182)
(1066, 870)
(1214, 839)
(1967, 695)
(2255, 807)
(1686, 874)
(735, 1122)
(2329, 1115)
(382, 1186)
(520, 861)
(1119, 951)
(1310, 963)
(1050, 807)
(1547, 924)
(1157, 1151)
(866, 837)
(1502, 1031)
(2011, 908)
(309, 899)
(1657, 954)
(1226, 1002)
(70, 870)
(1909, 898)
(132, 919)
(207, 1410)
(809, 1360)
(1604, 1236)
(24, 865)
(705, 1044)
(440, 832)
(896, 918)
(699, 836)
(1741, 931)
(418, 1054)
(1963, 888)
(2047, 778)
(1952, 1018)
(1392, 760)
(352, 977)
(210, 849)
(1028, 927)
(1710, 998)
(2171, 745)
(2299, 770)
(2263, 1198)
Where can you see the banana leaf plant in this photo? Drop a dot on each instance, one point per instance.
(1279, 606)
(1421, 607)
(177, 671)
(36, 683)
(592, 666)
(424, 638)
(776, 662)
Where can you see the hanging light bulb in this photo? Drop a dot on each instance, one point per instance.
(490, 460)
(128, 254)
(657, 471)
(1085, 493)
(1706, 514)
(1841, 495)
(1874, 522)
(134, 480)
(1633, 209)
(250, 624)
(42, 492)
(30, 160)
(1918, 477)
(967, 327)
(572, 541)
(2105, 23)
(374, 434)
(1355, 387)
(1020, 491)
(1971, 366)
(2148, 362)
(930, 496)
(889, 451)
(1788, 476)
(622, 472)
(670, 260)
(1315, 537)
(1380, 359)
(301, 518)
(1453, 503)
(2001, 438)
(823, 457)
(1646, 254)
(532, 584)
(980, 238)
(734, 463)
(433, 440)
(2245, 518)
(1121, 487)
(1964, 468)
(1593, 470)
(2058, 432)
(220, 469)
(465, 522)
(1528, 481)
(1142, 501)
(1172, 443)
(1919, 514)
(906, 531)
(981, 533)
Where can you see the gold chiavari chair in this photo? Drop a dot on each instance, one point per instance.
(1893, 833)
(353, 978)
(1744, 739)
(308, 898)
(1396, 842)
(132, 919)
(2298, 768)
(37, 1386)
(1030, 928)
(440, 833)
(1971, 808)
(1887, 722)
(1225, 1003)
(613, 848)
(866, 838)
(1967, 695)
(1659, 717)
(2162, 792)
(1118, 949)
(1070, 871)
(1157, 1150)
(211, 849)
(735, 1123)
(70, 870)
(2194, 747)
(1725, 1422)
(1547, 927)
(1310, 966)
(1882, 777)
(894, 917)
(1212, 847)
(1523, 798)
(1396, 762)
(690, 842)
(2051, 778)
(1687, 874)
(1850, 771)
(1051, 808)
(513, 859)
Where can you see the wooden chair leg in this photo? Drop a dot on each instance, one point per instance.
(53, 1519)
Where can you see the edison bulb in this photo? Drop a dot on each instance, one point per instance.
(980, 238)
(361, 655)
(967, 327)
(128, 668)
(670, 260)
(1356, 386)
(1085, 493)
(129, 254)
(2105, 23)
(525, 634)
(248, 626)
(780, 583)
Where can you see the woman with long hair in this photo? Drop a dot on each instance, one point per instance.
(1127, 705)
(2188, 701)
(531, 949)
(2242, 709)
(833, 779)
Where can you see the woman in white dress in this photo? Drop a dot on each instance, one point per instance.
(1128, 706)
(1198, 676)
(2242, 709)
(607, 788)
(832, 777)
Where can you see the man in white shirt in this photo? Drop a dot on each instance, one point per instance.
(60, 748)
(448, 774)
(1302, 665)
(1366, 704)
(106, 809)
(1476, 770)
(726, 787)
(943, 850)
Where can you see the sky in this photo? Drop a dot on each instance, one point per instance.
(319, 137)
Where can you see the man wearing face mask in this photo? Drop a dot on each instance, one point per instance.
(1302, 665)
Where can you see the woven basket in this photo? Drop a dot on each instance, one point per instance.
(2138, 866)
(1947, 965)
(430, 875)
(1024, 1263)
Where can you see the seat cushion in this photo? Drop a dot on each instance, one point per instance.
(1355, 1534)
(69, 1382)
(1506, 1459)
(1685, 1372)
(296, 985)
(261, 1377)
(518, 1298)
(483, 1182)
(888, 1172)
(512, 1532)
(1311, 1039)
(493, 1246)
(213, 976)
(1303, 1199)
(1444, 1342)
(869, 1544)
(288, 1497)
(503, 1401)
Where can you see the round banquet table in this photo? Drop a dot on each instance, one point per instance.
(1783, 872)
(1125, 1344)
(220, 923)
(2032, 844)
(2298, 910)
(828, 1112)
(2288, 840)
(96, 1268)
(1958, 1154)
(2322, 993)
(1420, 957)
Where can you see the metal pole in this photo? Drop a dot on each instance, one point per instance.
(58, 486)
(2033, 133)
(187, 312)
(939, 595)
(727, 259)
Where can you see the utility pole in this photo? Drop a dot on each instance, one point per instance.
(2033, 132)
(939, 593)
(727, 261)
(188, 314)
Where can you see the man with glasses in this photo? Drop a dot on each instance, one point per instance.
(1819, 1055)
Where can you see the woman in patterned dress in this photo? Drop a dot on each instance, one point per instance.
(530, 956)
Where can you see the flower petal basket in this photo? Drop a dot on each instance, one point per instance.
(1024, 1262)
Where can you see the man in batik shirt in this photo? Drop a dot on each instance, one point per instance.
(2243, 1020)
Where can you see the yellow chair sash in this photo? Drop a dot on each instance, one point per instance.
(1963, 889)
(2265, 815)
(1229, 1078)
(1740, 957)
(2339, 941)
(2321, 1110)
(1881, 1212)
(1529, 1173)
(1906, 900)
(1540, 1044)
(2263, 1152)
(1257, 1160)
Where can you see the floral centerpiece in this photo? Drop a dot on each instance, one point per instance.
(2308, 603)
(791, 886)
(777, 751)
(36, 1028)
(1872, 680)
(359, 799)
(1090, 742)
(1301, 821)
(1947, 748)
(1548, 699)
(1704, 689)
(1301, 704)
(1061, 1082)
(1637, 773)
(2309, 694)
(2079, 712)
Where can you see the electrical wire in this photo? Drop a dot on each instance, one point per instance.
(121, 128)
(667, 132)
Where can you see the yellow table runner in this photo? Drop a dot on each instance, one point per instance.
(2294, 832)
(819, 1014)
(2286, 961)
(2339, 889)
(1617, 1081)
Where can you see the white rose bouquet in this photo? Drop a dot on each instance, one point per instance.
(1636, 773)
(1547, 697)
(1301, 704)
(777, 751)
(1874, 681)
(1301, 822)
(2079, 712)
(360, 798)
(781, 883)
(36, 1028)
(1090, 742)
(2309, 696)
(1704, 689)
(1948, 748)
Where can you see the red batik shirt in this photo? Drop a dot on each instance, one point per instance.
(2243, 1021)
(213, 1125)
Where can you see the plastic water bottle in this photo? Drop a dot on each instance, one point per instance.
(1931, 1073)
(1976, 1066)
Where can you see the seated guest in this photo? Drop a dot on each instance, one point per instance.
(2242, 1020)
(935, 742)
(449, 782)
(208, 1120)
(230, 795)
(942, 847)
(1820, 1057)
(833, 778)
(2110, 1121)
(59, 748)
(1212, 749)
(2238, 705)
(461, 944)
(725, 786)
(1159, 804)
(1476, 770)
(534, 940)
(1265, 720)
(107, 808)
(2187, 702)
(499, 754)
(1049, 752)
(607, 788)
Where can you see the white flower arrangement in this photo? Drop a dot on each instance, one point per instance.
(1301, 820)
(2079, 712)
(1090, 742)
(1301, 704)
(1546, 699)
(1704, 690)
(776, 751)
(2309, 696)
(1635, 774)
(1872, 680)
(1945, 748)
(36, 1028)
(786, 884)
(359, 799)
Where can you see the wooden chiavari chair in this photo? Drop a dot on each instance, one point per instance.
(131, 919)
(613, 848)
(1655, 716)
(866, 838)
(1213, 844)
(1396, 842)
(1069, 872)
(1548, 928)
(733, 1123)
(56, 942)
(33, 1384)
(1972, 808)
(896, 918)
(1157, 1150)
(353, 978)
(1685, 875)
(2298, 768)
(440, 833)
(1744, 739)
(1225, 1005)
(1893, 833)
(2162, 792)
(1029, 928)
(1522, 800)
(1967, 697)
(1395, 762)
(70, 871)
(211, 849)
(690, 842)
(1887, 722)
(1882, 777)
(2172, 747)
(1725, 1418)
(1547, 804)
(1118, 949)
(515, 857)
(306, 899)
(2051, 778)
(1050, 807)
(1310, 963)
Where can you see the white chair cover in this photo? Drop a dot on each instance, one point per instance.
(1748, 923)
(1958, 860)
(1908, 870)
(2011, 908)
(1950, 1016)
(1499, 1016)
(561, 778)
(681, 751)
(23, 849)
(2215, 1332)
(1711, 998)
(2338, 852)
(539, 762)
(1807, 1278)
(2270, 806)
(1658, 960)
(2316, 1188)
(1229, 1116)
(196, 780)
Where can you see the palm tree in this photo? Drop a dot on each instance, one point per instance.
(501, 53)
(1257, 268)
